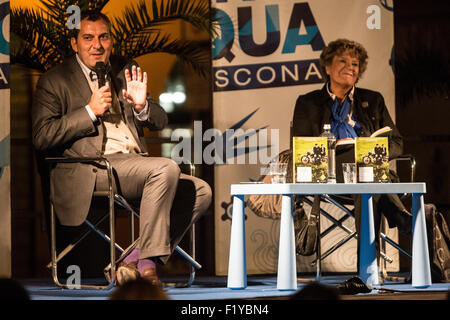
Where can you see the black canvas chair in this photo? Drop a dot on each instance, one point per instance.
(346, 205)
(269, 206)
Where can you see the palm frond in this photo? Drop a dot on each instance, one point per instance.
(42, 38)
(140, 20)
(198, 57)
(57, 8)
(44, 43)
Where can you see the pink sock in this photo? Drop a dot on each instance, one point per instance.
(132, 257)
(145, 264)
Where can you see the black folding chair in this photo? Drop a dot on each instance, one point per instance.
(344, 204)
(113, 199)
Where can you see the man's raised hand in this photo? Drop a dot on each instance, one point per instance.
(136, 92)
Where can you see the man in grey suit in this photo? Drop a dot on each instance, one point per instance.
(73, 117)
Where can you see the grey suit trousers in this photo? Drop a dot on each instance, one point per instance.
(170, 201)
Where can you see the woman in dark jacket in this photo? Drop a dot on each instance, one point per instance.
(351, 112)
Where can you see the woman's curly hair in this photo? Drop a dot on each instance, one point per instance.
(338, 47)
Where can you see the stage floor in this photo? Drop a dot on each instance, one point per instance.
(258, 287)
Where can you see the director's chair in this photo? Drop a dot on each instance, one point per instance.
(344, 205)
(113, 198)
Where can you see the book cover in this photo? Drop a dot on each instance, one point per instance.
(310, 160)
(372, 159)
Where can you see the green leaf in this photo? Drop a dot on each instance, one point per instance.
(42, 39)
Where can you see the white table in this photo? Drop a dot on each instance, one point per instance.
(287, 270)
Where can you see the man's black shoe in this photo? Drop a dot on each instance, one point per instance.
(353, 285)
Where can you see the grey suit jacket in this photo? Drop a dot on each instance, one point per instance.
(61, 126)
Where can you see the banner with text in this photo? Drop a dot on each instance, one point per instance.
(265, 55)
(5, 168)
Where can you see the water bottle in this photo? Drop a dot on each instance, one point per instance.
(331, 152)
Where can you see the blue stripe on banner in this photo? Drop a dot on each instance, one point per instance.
(4, 75)
(4, 44)
(267, 75)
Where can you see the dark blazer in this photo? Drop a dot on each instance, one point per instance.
(313, 110)
(61, 126)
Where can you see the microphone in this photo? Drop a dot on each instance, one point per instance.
(100, 70)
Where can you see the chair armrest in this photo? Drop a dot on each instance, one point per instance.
(191, 166)
(74, 160)
(53, 160)
(412, 163)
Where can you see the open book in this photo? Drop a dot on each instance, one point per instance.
(383, 132)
